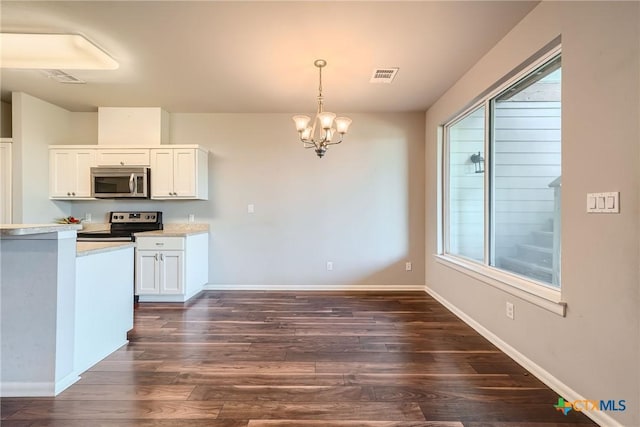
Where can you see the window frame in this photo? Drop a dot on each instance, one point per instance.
(536, 292)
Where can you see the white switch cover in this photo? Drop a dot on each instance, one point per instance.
(250, 208)
(603, 202)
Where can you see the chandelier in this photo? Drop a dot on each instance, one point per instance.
(322, 132)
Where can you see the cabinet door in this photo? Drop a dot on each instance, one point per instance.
(84, 160)
(123, 157)
(184, 173)
(70, 173)
(147, 272)
(171, 272)
(62, 176)
(162, 173)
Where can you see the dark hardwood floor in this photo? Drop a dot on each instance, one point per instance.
(283, 359)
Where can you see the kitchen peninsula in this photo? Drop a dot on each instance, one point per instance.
(65, 306)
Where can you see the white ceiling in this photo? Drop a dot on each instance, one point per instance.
(257, 56)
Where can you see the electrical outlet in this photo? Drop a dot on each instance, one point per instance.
(192, 218)
(329, 266)
(408, 266)
(87, 217)
(510, 311)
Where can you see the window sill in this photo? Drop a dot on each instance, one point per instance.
(547, 298)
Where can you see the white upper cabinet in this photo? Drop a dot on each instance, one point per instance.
(122, 157)
(179, 173)
(70, 173)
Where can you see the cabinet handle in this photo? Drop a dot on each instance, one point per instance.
(121, 163)
(156, 257)
(73, 194)
(161, 257)
(68, 194)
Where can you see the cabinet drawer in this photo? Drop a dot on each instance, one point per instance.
(116, 157)
(160, 243)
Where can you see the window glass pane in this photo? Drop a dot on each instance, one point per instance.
(526, 148)
(466, 186)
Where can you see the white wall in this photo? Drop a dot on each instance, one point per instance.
(5, 182)
(36, 124)
(594, 350)
(361, 206)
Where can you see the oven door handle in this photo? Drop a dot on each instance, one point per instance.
(132, 184)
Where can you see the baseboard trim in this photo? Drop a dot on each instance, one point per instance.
(65, 383)
(600, 417)
(302, 288)
(80, 369)
(26, 389)
(162, 298)
(36, 389)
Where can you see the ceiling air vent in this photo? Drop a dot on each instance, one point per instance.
(62, 77)
(384, 75)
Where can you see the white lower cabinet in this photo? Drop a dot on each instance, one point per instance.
(171, 269)
(160, 272)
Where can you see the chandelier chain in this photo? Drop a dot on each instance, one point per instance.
(320, 98)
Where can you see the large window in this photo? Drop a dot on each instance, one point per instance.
(503, 175)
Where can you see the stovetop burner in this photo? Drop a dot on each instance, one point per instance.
(124, 225)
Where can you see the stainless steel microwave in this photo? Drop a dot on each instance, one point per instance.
(115, 182)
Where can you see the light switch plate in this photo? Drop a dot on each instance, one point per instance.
(603, 202)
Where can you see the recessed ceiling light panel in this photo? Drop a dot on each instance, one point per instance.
(52, 51)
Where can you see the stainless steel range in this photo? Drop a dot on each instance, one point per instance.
(123, 225)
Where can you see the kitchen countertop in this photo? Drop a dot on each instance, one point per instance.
(176, 230)
(90, 248)
(27, 229)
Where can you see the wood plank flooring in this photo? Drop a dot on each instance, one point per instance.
(284, 359)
